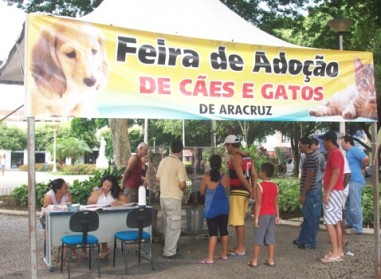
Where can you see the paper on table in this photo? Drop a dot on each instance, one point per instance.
(57, 207)
(96, 206)
(132, 204)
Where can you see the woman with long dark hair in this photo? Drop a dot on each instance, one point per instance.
(107, 193)
(214, 186)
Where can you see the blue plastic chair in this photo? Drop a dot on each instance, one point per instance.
(83, 222)
(139, 219)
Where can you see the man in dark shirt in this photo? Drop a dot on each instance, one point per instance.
(309, 196)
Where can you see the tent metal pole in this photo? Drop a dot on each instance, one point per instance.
(376, 203)
(32, 198)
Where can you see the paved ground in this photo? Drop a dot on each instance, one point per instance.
(290, 261)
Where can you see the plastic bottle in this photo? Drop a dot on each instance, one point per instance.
(142, 201)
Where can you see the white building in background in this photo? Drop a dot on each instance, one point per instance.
(277, 140)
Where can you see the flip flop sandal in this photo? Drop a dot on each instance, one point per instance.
(205, 261)
(250, 264)
(103, 255)
(329, 254)
(331, 259)
(269, 264)
(222, 258)
(234, 253)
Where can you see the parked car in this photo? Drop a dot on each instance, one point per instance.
(369, 171)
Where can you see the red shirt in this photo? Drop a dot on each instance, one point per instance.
(269, 194)
(246, 166)
(134, 179)
(335, 160)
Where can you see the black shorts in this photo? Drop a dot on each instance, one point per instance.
(218, 224)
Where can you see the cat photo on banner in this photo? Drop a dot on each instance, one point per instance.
(355, 101)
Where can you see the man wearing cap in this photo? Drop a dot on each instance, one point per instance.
(309, 196)
(357, 161)
(243, 179)
(333, 197)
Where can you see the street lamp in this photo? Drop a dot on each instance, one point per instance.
(145, 131)
(341, 25)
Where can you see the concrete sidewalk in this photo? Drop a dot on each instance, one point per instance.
(291, 262)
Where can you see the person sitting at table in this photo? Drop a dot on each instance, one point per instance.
(57, 195)
(108, 193)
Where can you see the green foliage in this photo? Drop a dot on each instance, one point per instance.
(12, 138)
(260, 156)
(41, 190)
(79, 169)
(289, 195)
(71, 147)
(80, 190)
(71, 8)
(20, 194)
(84, 129)
(367, 205)
(135, 137)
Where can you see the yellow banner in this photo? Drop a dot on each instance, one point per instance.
(81, 69)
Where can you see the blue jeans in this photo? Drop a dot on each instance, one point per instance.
(353, 208)
(309, 229)
(319, 202)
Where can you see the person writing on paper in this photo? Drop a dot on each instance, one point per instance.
(108, 193)
(57, 195)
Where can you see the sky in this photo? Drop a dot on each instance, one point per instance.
(11, 20)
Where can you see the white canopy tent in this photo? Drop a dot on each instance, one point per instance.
(205, 19)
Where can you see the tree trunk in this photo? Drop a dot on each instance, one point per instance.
(120, 142)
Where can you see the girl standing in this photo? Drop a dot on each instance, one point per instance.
(214, 186)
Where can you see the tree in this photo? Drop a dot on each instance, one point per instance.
(85, 129)
(364, 35)
(73, 8)
(70, 147)
(120, 143)
(12, 138)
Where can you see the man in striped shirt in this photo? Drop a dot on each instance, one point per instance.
(309, 196)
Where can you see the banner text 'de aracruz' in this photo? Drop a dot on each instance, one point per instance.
(103, 71)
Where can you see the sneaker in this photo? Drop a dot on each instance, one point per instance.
(296, 242)
(306, 246)
(176, 256)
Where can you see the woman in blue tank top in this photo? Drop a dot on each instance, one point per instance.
(213, 186)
